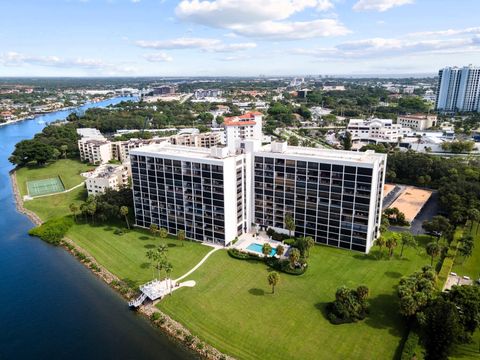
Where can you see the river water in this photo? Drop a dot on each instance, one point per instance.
(51, 306)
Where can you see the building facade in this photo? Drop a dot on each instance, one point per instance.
(377, 130)
(215, 194)
(106, 177)
(417, 121)
(206, 140)
(95, 151)
(458, 89)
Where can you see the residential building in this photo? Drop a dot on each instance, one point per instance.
(198, 190)
(208, 93)
(106, 177)
(163, 90)
(417, 121)
(333, 196)
(121, 149)
(246, 126)
(376, 130)
(206, 140)
(90, 133)
(333, 88)
(458, 89)
(95, 151)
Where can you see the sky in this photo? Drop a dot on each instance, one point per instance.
(236, 37)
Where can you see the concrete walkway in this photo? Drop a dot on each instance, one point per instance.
(198, 265)
(27, 197)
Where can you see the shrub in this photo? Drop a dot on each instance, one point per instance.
(53, 230)
(237, 254)
(155, 316)
(408, 351)
(290, 242)
(189, 339)
(119, 232)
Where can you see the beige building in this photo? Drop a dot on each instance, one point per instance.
(95, 151)
(205, 140)
(106, 177)
(417, 121)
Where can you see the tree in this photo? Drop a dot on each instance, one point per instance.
(74, 208)
(438, 226)
(124, 213)
(168, 267)
(350, 305)
(347, 141)
(273, 279)
(63, 149)
(293, 141)
(163, 233)
(407, 240)
(289, 224)
(433, 249)
(473, 216)
(280, 250)
(293, 257)
(391, 244)
(181, 236)
(152, 256)
(92, 209)
(467, 301)
(27, 151)
(162, 250)
(153, 229)
(466, 250)
(310, 244)
(363, 292)
(266, 250)
(442, 329)
(380, 242)
(416, 290)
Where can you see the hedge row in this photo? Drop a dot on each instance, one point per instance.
(449, 259)
(279, 265)
(52, 231)
(408, 351)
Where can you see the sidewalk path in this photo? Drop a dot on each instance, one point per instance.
(26, 197)
(198, 265)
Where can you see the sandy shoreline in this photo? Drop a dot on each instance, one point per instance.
(170, 327)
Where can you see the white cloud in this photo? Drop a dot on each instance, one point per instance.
(379, 5)
(293, 30)
(449, 32)
(16, 59)
(391, 47)
(158, 57)
(205, 44)
(261, 19)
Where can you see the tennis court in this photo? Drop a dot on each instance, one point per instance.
(45, 186)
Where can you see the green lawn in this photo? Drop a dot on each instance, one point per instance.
(68, 170)
(231, 307)
(471, 265)
(56, 205)
(125, 255)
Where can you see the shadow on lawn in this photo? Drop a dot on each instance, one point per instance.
(322, 307)
(144, 238)
(384, 314)
(170, 245)
(256, 292)
(393, 274)
(149, 246)
(145, 265)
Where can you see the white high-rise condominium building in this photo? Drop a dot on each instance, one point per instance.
(217, 194)
(458, 89)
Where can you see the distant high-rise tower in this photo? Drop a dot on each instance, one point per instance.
(458, 89)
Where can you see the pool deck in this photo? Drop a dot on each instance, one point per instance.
(248, 239)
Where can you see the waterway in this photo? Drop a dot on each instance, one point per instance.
(51, 306)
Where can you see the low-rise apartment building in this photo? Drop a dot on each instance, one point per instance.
(246, 126)
(377, 130)
(106, 177)
(417, 121)
(95, 151)
(206, 140)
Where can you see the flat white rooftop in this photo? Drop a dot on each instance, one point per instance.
(368, 157)
(167, 149)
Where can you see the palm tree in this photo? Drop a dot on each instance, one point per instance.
(473, 216)
(181, 236)
(168, 270)
(289, 224)
(380, 242)
(124, 213)
(92, 209)
(362, 292)
(83, 210)
(391, 244)
(74, 208)
(433, 249)
(266, 250)
(407, 239)
(162, 250)
(273, 279)
(280, 250)
(153, 229)
(294, 257)
(152, 256)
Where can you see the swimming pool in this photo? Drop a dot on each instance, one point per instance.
(258, 249)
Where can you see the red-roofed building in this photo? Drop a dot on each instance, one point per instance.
(246, 126)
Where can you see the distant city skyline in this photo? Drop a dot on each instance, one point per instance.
(236, 38)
